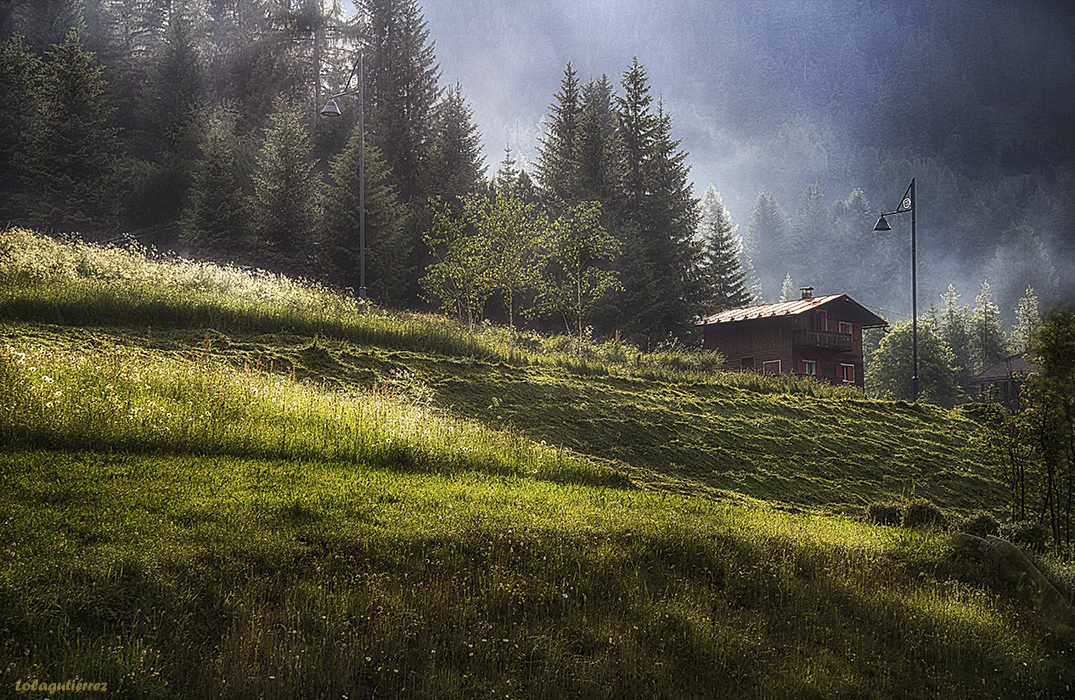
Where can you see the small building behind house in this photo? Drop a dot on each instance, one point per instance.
(811, 336)
(1003, 382)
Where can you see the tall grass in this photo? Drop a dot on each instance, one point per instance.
(124, 398)
(75, 283)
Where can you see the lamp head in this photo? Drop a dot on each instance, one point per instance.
(331, 109)
(882, 223)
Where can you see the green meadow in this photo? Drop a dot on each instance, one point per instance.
(224, 483)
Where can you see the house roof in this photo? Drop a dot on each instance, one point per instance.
(1003, 370)
(847, 307)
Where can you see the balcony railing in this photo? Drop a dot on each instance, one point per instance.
(827, 340)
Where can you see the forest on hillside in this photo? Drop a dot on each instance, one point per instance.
(194, 126)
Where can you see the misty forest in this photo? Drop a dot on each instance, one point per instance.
(194, 128)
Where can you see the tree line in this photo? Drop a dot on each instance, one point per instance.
(194, 125)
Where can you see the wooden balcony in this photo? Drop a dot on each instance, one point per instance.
(825, 340)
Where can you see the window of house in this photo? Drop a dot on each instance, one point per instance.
(847, 372)
(821, 321)
(771, 367)
(846, 328)
(746, 363)
(808, 367)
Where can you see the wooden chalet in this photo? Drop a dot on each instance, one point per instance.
(810, 336)
(1003, 382)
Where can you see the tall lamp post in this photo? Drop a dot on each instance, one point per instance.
(331, 109)
(908, 205)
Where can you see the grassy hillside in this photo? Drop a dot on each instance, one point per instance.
(219, 483)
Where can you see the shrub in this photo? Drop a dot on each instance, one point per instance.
(883, 513)
(979, 525)
(922, 513)
(1026, 534)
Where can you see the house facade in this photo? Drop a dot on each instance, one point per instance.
(811, 336)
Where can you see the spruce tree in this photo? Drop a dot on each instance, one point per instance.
(20, 74)
(286, 195)
(766, 232)
(988, 344)
(455, 168)
(1027, 323)
(954, 327)
(388, 250)
(593, 172)
(724, 277)
(556, 147)
(401, 90)
(809, 239)
(217, 222)
(69, 160)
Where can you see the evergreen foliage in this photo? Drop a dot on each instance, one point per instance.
(286, 195)
(69, 158)
(987, 341)
(722, 271)
(217, 221)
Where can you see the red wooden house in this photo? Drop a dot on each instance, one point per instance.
(811, 336)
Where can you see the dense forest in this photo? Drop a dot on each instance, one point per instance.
(194, 127)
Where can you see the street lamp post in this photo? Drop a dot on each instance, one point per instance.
(331, 109)
(908, 205)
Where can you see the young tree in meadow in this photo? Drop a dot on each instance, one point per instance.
(512, 232)
(387, 247)
(69, 159)
(891, 366)
(286, 195)
(459, 280)
(1051, 422)
(578, 269)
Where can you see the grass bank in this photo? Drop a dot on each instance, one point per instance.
(289, 495)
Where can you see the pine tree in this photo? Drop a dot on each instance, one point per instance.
(70, 157)
(216, 224)
(387, 248)
(286, 192)
(766, 232)
(1027, 322)
(724, 280)
(593, 172)
(988, 344)
(401, 92)
(556, 147)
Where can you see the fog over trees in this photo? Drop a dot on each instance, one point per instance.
(729, 149)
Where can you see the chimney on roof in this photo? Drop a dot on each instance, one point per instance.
(807, 292)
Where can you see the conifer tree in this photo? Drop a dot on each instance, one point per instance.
(1027, 322)
(556, 147)
(988, 344)
(593, 172)
(807, 237)
(69, 160)
(456, 168)
(216, 224)
(954, 328)
(724, 277)
(388, 250)
(20, 73)
(286, 194)
(401, 91)
(766, 232)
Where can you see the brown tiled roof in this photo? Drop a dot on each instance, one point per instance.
(794, 308)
